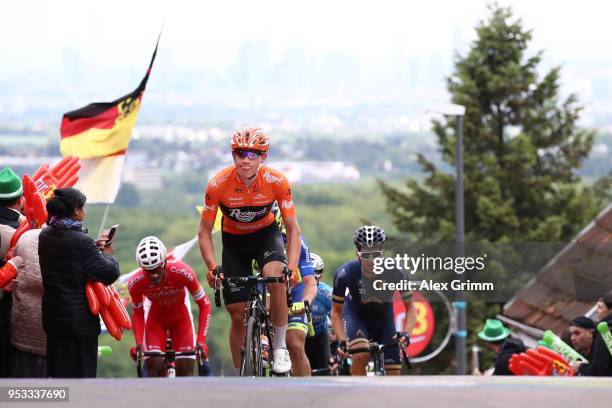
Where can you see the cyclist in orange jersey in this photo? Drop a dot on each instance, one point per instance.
(245, 193)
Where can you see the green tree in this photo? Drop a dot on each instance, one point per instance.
(522, 150)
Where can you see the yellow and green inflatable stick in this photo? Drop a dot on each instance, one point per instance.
(604, 330)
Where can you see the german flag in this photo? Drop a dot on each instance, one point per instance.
(103, 129)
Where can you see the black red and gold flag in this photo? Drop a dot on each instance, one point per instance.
(99, 135)
(104, 128)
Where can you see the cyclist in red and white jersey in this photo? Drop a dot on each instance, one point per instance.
(166, 283)
(245, 193)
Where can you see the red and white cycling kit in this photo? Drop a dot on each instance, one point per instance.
(169, 315)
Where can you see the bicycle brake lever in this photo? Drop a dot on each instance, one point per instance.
(217, 287)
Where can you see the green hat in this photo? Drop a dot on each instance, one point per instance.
(10, 184)
(493, 330)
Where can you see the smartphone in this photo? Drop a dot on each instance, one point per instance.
(112, 233)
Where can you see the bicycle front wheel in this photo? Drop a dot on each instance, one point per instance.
(252, 364)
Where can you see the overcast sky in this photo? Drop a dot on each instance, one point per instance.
(209, 33)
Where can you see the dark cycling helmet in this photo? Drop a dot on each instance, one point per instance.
(317, 263)
(369, 236)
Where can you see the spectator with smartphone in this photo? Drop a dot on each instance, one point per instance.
(68, 257)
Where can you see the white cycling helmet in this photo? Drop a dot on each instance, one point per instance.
(150, 253)
(317, 263)
(369, 236)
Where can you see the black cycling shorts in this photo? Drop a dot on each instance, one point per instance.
(239, 251)
(317, 351)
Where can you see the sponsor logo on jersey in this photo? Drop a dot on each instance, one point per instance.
(248, 226)
(166, 294)
(287, 204)
(235, 198)
(137, 278)
(259, 197)
(183, 272)
(271, 178)
(246, 216)
(209, 207)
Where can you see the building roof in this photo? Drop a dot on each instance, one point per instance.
(563, 290)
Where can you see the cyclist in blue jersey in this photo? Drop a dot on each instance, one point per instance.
(317, 346)
(360, 318)
(304, 291)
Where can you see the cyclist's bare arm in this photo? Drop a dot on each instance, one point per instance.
(138, 320)
(337, 323)
(205, 242)
(411, 315)
(294, 245)
(310, 288)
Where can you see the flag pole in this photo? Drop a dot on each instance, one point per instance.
(104, 217)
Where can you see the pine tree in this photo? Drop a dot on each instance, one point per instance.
(522, 148)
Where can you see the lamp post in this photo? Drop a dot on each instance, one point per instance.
(458, 111)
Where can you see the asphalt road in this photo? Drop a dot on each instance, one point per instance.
(338, 392)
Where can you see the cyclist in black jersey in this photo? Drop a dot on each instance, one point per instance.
(359, 319)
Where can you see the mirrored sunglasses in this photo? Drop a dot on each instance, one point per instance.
(370, 254)
(247, 154)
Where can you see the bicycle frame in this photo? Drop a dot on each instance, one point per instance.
(256, 308)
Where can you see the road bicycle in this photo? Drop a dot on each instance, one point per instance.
(256, 356)
(377, 354)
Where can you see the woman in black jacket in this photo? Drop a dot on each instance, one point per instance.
(68, 257)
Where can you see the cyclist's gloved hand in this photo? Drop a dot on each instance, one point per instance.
(133, 352)
(293, 275)
(204, 347)
(206, 370)
(403, 338)
(211, 276)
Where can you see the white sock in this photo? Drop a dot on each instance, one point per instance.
(237, 371)
(279, 337)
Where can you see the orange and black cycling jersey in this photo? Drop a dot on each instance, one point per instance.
(246, 210)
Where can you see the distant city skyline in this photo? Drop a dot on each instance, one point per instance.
(205, 33)
(316, 64)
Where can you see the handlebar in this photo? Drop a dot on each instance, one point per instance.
(253, 280)
(169, 356)
(287, 274)
(217, 272)
(250, 281)
(373, 347)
